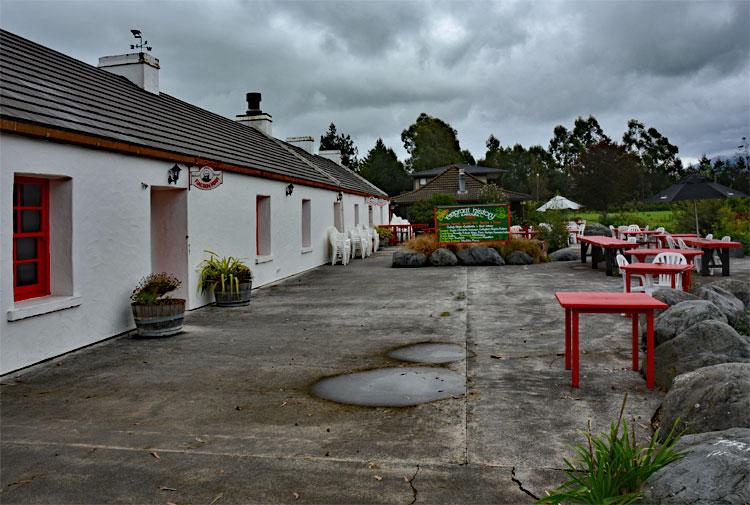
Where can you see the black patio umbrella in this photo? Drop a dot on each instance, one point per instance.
(695, 187)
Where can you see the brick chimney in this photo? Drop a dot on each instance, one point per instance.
(255, 117)
(141, 69)
(306, 142)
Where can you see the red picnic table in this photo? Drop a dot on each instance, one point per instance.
(652, 269)
(661, 238)
(643, 254)
(644, 233)
(598, 244)
(708, 247)
(597, 302)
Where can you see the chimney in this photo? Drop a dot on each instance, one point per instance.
(307, 143)
(255, 117)
(141, 69)
(333, 155)
(461, 181)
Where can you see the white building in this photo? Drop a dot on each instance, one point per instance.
(89, 201)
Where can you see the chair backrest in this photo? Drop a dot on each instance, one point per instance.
(331, 234)
(661, 229)
(621, 260)
(515, 227)
(681, 244)
(612, 231)
(670, 258)
(670, 241)
(632, 240)
(581, 227)
(634, 227)
(646, 228)
(709, 236)
(621, 229)
(545, 226)
(726, 238)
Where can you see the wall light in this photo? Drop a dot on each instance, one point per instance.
(144, 185)
(340, 196)
(289, 190)
(173, 174)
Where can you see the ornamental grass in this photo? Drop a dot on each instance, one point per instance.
(426, 244)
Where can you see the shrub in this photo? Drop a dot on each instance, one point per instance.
(426, 244)
(422, 212)
(385, 234)
(152, 289)
(556, 237)
(533, 248)
(225, 272)
(612, 467)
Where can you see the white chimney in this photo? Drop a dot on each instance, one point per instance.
(255, 117)
(306, 142)
(333, 155)
(141, 69)
(461, 181)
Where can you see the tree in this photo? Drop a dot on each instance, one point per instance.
(422, 212)
(382, 168)
(431, 142)
(344, 143)
(661, 166)
(605, 175)
(566, 146)
(528, 170)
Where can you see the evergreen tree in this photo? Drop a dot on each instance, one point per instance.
(431, 143)
(344, 143)
(382, 168)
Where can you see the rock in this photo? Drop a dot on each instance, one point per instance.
(703, 344)
(443, 258)
(711, 398)
(408, 259)
(740, 289)
(728, 304)
(564, 255)
(682, 316)
(713, 471)
(519, 258)
(596, 229)
(672, 296)
(479, 256)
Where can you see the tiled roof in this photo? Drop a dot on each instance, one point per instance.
(42, 87)
(447, 183)
(469, 169)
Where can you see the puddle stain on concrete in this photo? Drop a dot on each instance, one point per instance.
(432, 353)
(392, 387)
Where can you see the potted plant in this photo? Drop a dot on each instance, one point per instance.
(385, 235)
(155, 313)
(227, 278)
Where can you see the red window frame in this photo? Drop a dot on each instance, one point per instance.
(41, 287)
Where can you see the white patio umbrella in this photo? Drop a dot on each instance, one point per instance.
(559, 202)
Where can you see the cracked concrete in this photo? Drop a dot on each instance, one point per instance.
(224, 409)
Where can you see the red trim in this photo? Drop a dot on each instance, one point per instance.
(41, 287)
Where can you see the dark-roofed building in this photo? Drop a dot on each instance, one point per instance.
(105, 178)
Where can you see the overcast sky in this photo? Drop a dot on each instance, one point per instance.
(514, 69)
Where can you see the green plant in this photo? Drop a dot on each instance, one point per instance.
(385, 234)
(556, 236)
(226, 273)
(533, 248)
(152, 289)
(612, 467)
(423, 211)
(426, 244)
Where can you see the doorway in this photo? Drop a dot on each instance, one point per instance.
(169, 244)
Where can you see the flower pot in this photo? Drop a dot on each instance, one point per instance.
(234, 299)
(159, 320)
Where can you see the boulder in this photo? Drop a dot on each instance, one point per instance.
(408, 259)
(728, 304)
(681, 316)
(713, 471)
(740, 289)
(672, 296)
(564, 255)
(519, 258)
(443, 258)
(711, 398)
(703, 344)
(479, 256)
(596, 229)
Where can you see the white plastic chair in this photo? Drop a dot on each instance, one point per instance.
(581, 227)
(340, 246)
(375, 239)
(358, 243)
(670, 241)
(644, 282)
(545, 226)
(661, 229)
(670, 258)
(613, 231)
(709, 236)
(620, 230)
(572, 233)
(726, 238)
(367, 238)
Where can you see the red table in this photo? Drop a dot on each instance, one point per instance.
(598, 302)
(598, 244)
(708, 247)
(662, 237)
(653, 269)
(642, 254)
(641, 232)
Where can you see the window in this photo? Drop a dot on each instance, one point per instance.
(338, 217)
(263, 225)
(369, 215)
(356, 214)
(305, 223)
(30, 238)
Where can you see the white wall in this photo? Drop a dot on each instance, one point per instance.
(111, 240)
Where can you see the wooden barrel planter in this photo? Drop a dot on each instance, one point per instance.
(159, 320)
(234, 299)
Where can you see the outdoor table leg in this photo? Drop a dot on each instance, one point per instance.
(627, 281)
(634, 315)
(650, 349)
(567, 339)
(686, 279)
(724, 256)
(673, 277)
(574, 350)
(595, 257)
(708, 257)
(584, 250)
(609, 261)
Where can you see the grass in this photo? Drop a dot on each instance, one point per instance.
(653, 218)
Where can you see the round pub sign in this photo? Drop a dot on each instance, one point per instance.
(206, 178)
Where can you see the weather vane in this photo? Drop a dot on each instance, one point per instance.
(140, 43)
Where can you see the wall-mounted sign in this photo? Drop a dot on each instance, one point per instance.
(472, 223)
(206, 177)
(376, 201)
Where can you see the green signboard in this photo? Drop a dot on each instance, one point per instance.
(472, 223)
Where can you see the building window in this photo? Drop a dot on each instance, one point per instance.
(338, 217)
(263, 225)
(369, 215)
(30, 238)
(306, 223)
(356, 214)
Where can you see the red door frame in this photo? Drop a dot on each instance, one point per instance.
(42, 287)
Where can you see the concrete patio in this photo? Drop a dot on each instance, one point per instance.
(222, 413)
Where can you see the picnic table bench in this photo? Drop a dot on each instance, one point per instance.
(608, 245)
(708, 247)
(641, 255)
(649, 270)
(598, 302)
